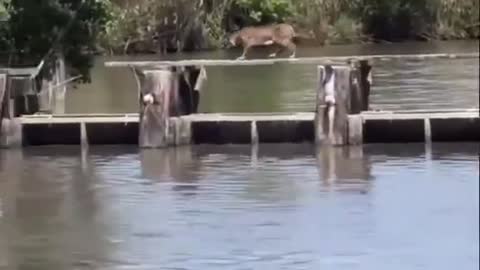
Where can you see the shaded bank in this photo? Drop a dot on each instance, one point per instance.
(74, 31)
(147, 26)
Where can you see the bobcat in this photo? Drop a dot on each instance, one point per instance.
(281, 35)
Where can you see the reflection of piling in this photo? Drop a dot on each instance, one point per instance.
(11, 171)
(172, 163)
(346, 165)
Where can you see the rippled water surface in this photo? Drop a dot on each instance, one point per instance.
(237, 207)
(409, 206)
(412, 84)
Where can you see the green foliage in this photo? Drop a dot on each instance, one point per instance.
(4, 10)
(266, 11)
(4, 33)
(154, 25)
(31, 28)
(327, 19)
(396, 20)
(457, 19)
(63, 27)
(344, 30)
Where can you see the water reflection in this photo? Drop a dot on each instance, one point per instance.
(344, 167)
(238, 207)
(177, 165)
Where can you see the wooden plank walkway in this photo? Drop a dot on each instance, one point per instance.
(248, 128)
(233, 117)
(272, 61)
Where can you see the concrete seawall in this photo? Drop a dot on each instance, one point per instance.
(367, 127)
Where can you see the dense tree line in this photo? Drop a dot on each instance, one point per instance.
(75, 29)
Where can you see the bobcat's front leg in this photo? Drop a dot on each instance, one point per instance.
(245, 51)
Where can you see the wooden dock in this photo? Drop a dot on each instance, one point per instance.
(462, 125)
(168, 99)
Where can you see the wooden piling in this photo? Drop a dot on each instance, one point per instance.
(158, 90)
(10, 128)
(320, 109)
(3, 104)
(165, 94)
(366, 80)
(342, 107)
(351, 91)
(3, 90)
(361, 79)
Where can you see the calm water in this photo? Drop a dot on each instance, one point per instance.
(234, 207)
(392, 207)
(286, 87)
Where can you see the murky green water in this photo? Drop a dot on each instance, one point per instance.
(399, 206)
(427, 84)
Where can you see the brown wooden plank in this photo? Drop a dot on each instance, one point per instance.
(271, 61)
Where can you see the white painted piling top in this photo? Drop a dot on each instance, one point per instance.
(271, 61)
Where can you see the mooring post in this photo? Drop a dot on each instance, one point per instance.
(165, 94)
(10, 127)
(361, 80)
(158, 90)
(343, 93)
(3, 90)
(333, 105)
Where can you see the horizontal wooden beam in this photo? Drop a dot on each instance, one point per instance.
(206, 117)
(308, 60)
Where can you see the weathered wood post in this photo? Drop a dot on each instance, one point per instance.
(165, 94)
(3, 104)
(59, 91)
(335, 123)
(331, 128)
(158, 91)
(361, 80)
(10, 127)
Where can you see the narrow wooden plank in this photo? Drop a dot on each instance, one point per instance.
(307, 60)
